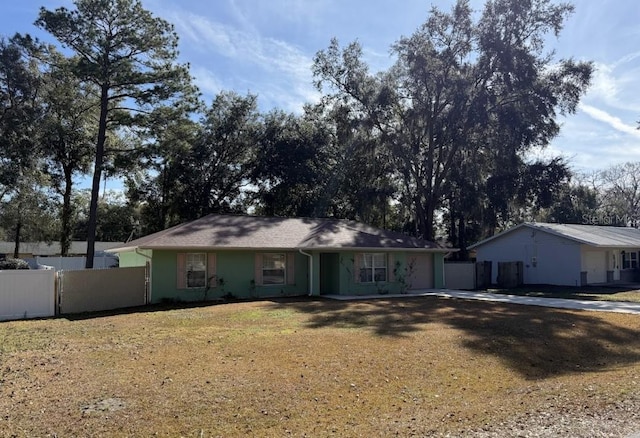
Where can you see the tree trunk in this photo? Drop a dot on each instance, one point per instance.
(429, 233)
(65, 234)
(163, 197)
(453, 229)
(463, 254)
(16, 248)
(97, 176)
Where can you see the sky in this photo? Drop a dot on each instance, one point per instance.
(266, 47)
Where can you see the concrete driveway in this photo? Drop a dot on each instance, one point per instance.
(560, 303)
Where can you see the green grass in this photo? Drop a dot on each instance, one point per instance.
(300, 367)
(597, 293)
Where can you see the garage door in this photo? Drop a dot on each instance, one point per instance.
(595, 263)
(420, 267)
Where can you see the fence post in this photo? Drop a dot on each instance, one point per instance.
(59, 288)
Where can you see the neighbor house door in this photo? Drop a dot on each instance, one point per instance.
(595, 263)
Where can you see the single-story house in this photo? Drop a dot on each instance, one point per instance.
(565, 254)
(255, 257)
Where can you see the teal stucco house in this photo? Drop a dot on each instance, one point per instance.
(260, 257)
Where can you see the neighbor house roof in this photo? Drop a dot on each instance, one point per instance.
(257, 232)
(53, 248)
(594, 235)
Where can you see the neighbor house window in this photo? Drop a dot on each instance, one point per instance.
(629, 260)
(196, 269)
(373, 267)
(273, 268)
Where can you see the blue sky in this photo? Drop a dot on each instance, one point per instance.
(266, 47)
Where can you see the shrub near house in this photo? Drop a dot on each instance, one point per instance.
(11, 263)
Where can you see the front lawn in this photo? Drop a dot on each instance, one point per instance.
(598, 293)
(388, 367)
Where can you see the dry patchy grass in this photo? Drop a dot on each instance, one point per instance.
(388, 367)
(597, 293)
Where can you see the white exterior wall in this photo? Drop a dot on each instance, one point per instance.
(27, 294)
(547, 259)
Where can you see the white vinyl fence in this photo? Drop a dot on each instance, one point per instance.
(102, 289)
(27, 294)
(460, 275)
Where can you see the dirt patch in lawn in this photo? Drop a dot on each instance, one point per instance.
(389, 367)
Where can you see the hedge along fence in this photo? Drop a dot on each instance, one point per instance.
(27, 294)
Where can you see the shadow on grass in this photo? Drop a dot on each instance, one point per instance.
(148, 308)
(537, 342)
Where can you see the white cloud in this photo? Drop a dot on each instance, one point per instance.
(278, 71)
(627, 58)
(615, 84)
(224, 39)
(611, 120)
(604, 84)
(235, 43)
(206, 81)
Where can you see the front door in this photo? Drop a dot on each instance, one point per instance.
(329, 273)
(595, 263)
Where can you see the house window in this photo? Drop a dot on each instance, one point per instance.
(373, 267)
(196, 269)
(273, 268)
(629, 260)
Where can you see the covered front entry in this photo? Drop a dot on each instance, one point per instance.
(420, 271)
(329, 273)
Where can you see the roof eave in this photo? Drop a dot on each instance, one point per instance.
(297, 248)
(376, 248)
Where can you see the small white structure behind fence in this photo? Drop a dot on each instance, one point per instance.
(77, 263)
(27, 294)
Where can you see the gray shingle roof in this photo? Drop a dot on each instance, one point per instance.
(594, 235)
(256, 232)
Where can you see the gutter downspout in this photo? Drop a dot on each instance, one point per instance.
(310, 270)
(147, 275)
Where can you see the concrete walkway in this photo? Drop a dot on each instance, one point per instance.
(560, 303)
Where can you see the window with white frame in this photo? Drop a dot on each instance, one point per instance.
(629, 260)
(196, 269)
(273, 268)
(373, 267)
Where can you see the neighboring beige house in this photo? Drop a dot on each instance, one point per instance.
(566, 254)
